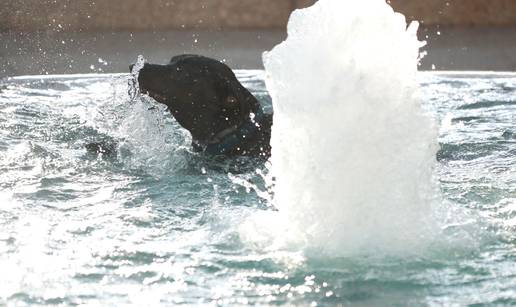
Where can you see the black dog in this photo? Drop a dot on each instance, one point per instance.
(205, 97)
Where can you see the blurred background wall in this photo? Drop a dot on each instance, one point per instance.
(94, 15)
(79, 36)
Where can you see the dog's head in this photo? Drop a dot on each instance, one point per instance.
(203, 94)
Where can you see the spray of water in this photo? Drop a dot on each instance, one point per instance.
(133, 86)
(148, 137)
(352, 151)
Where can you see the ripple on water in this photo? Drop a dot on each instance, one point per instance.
(157, 223)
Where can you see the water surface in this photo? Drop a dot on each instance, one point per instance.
(157, 223)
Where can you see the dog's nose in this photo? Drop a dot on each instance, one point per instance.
(131, 67)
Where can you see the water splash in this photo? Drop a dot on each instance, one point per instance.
(133, 85)
(352, 151)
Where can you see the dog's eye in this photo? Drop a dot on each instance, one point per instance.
(230, 102)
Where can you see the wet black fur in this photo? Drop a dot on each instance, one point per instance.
(205, 97)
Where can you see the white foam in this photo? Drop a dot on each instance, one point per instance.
(352, 151)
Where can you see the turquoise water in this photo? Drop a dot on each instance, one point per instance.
(156, 223)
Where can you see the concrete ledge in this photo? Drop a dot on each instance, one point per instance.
(90, 15)
(136, 15)
(458, 12)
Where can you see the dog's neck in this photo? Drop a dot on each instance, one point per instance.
(232, 138)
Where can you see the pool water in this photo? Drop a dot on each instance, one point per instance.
(155, 223)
